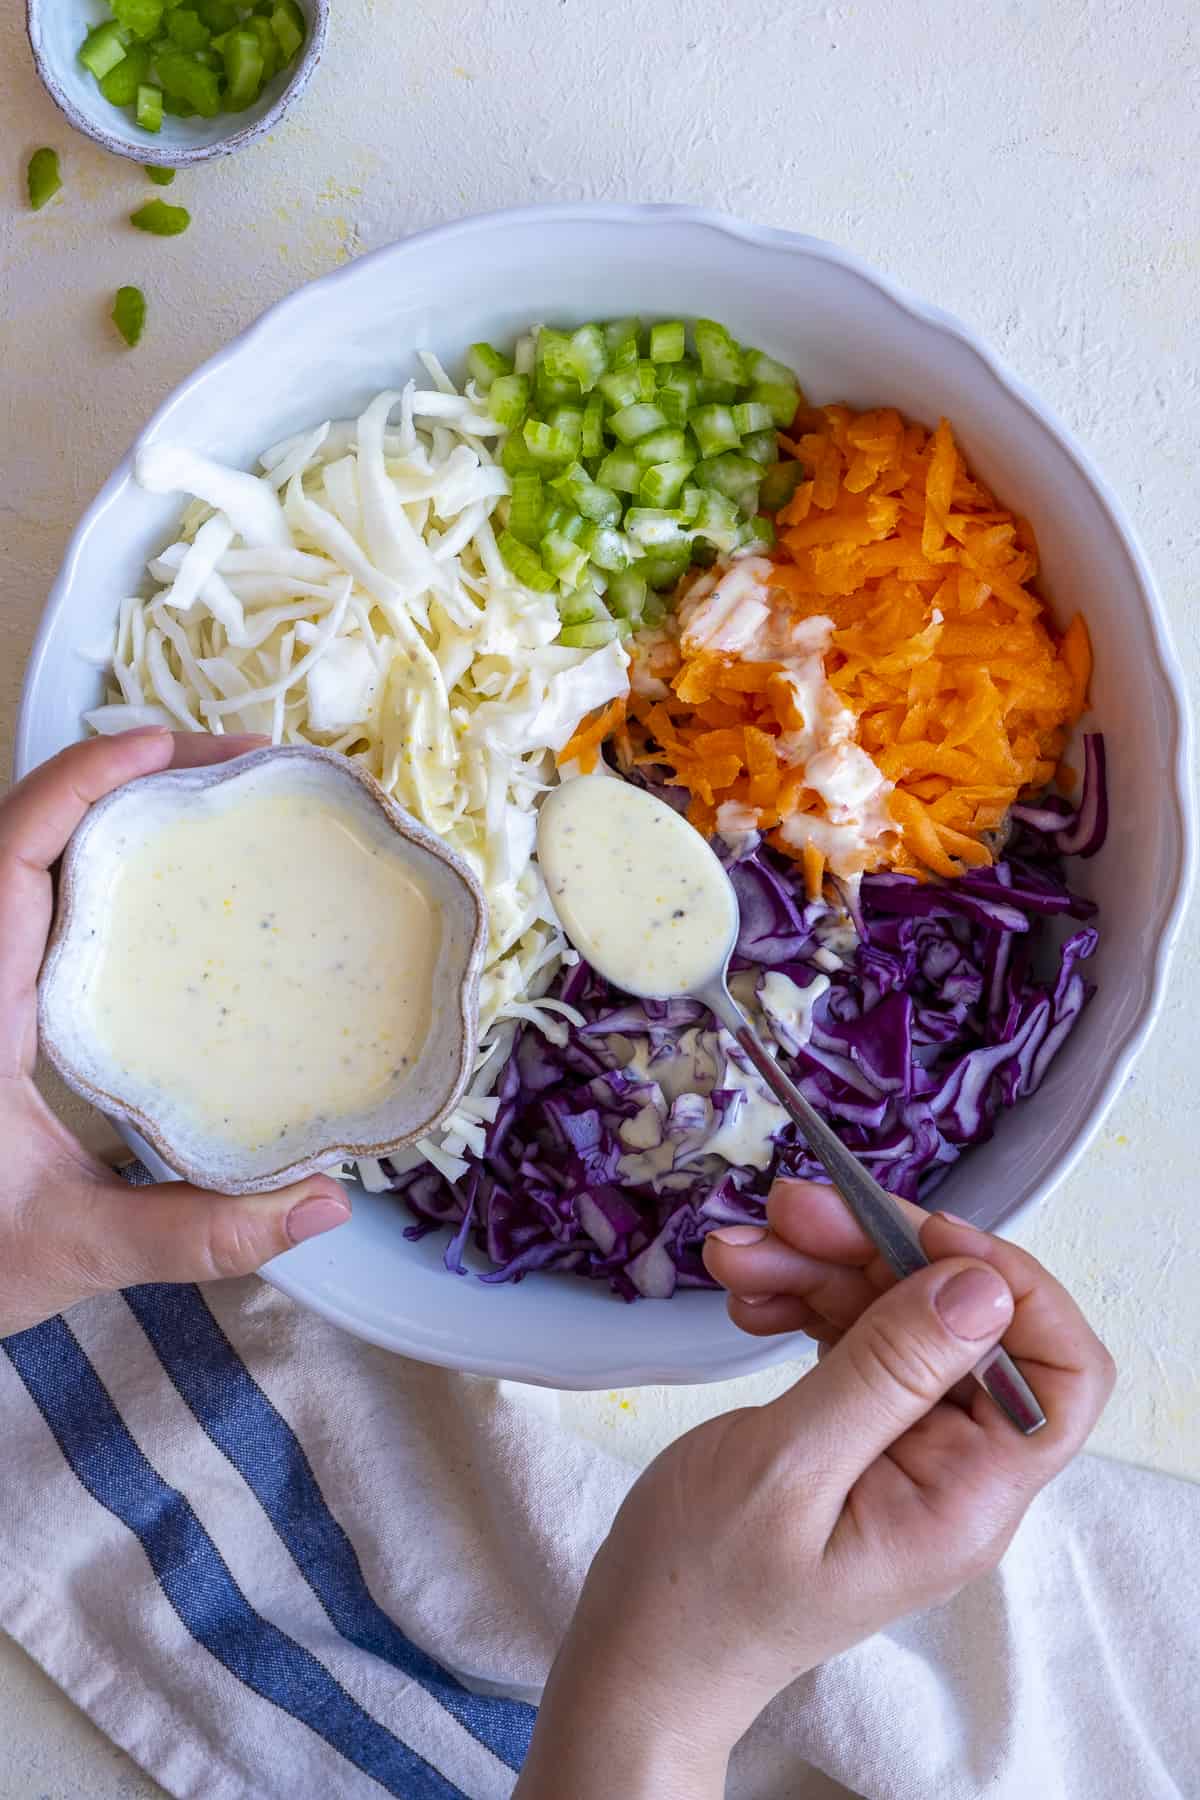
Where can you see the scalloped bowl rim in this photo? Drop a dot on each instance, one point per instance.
(735, 1358)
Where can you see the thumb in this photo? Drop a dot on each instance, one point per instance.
(125, 1235)
(899, 1358)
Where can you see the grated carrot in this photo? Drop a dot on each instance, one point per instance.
(962, 693)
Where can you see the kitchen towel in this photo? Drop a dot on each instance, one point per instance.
(275, 1563)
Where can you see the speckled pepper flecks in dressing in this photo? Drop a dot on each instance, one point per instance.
(639, 892)
(267, 963)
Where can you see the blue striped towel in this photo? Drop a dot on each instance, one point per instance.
(270, 1561)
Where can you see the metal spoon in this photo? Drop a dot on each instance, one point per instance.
(590, 928)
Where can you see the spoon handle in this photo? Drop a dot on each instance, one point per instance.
(873, 1207)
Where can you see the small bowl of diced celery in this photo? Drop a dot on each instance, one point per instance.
(173, 82)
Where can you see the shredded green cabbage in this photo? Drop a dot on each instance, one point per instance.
(352, 595)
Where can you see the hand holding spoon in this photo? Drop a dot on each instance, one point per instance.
(644, 899)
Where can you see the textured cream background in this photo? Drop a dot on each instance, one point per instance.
(1029, 164)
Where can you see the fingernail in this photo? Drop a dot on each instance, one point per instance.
(973, 1304)
(959, 1224)
(309, 1218)
(753, 1299)
(147, 731)
(739, 1234)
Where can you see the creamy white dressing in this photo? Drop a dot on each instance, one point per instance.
(267, 962)
(732, 615)
(637, 889)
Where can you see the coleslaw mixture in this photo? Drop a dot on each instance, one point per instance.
(814, 631)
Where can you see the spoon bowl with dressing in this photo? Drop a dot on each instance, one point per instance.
(645, 900)
(265, 967)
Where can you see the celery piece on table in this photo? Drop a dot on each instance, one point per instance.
(43, 178)
(129, 313)
(160, 219)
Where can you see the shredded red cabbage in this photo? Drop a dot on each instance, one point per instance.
(948, 1009)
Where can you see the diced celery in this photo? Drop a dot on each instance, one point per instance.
(610, 550)
(555, 375)
(160, 177)
(527, 506)
(187, 29)
(178, 109)
(780, 400)
(588, 497)
(589, 356)
(668, 341)
(525, 563)
(674, 407)
(568, 420)
(626, 593)
(161, 220)
(662, 482)
(508, 399)
(720, 358)
(590, 636)
(564, 559)
(621, 340)
(689, 502)
(149, 108)
(760, 367)
(288, 28)
(680, 378)
(761, 446)
(578, 607)
(42, 178)
(654, 527)
(102, 49)
(121, 84)
(752, 415)
(182, 77)
(668, 445)
(484, 363)
(268, 46)
(647, 379)
(704, 554)
(654, 611)
(715, 430)
(546, 444)
(719, 393)
(633, 422)
(661, 568)
(620, 471)
(756, 534)
(555, 356)
(717, 518)
(129, 313)
(734, 475)
(592, 436)
(515, 458)
(621, 387)
(779, 484)
(142, 19)
(218, 15)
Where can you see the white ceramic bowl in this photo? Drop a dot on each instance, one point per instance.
(57, 28)
(853, 337)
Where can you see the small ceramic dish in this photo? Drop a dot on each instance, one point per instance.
(58, 27)
(417, 1102)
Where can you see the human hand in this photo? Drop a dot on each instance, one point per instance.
(69, 1226)
(769, 1539)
